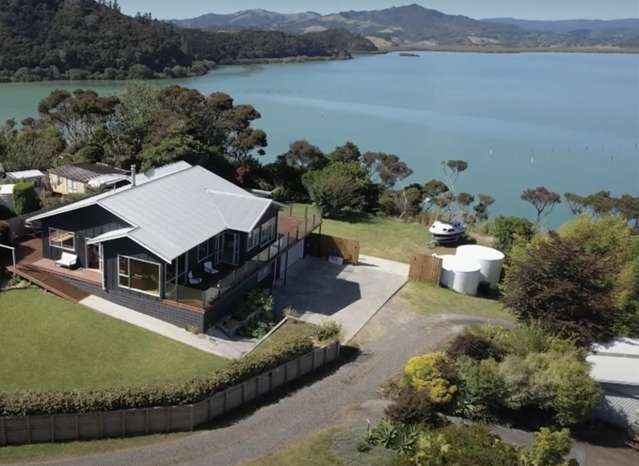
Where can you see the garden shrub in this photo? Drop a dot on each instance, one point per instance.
(329, 330)
(549, 448)
(508, 230)
(401, 438)
(432, 374)
(25, 403)
(25, 198)
(411, 407)
(474, 346)
(481, 388)
(462, 445)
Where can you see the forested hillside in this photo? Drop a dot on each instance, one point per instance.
(85, 39)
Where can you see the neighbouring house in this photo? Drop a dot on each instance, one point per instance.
(6, 196)
(81, 178)
(31, 176)
(616, 367)
(173, 244)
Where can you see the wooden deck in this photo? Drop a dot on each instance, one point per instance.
(31, 266)
(51, 283)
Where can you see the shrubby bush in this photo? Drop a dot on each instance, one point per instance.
(411, 406)
(463, 445)
(25, 198)
(508, 230)
(34, 403)
(474, 346)
(328, 330)
(532, 373)
(582, 284)
(433, 374)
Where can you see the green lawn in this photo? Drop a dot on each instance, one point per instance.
(50, 344)
(291, 328)
(378, 236)
(56, 451)
(431, 300)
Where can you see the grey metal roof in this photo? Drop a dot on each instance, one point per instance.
(173, 214)
(25, 174)
(84, 172)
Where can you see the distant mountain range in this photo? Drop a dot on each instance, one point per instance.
(414, 25)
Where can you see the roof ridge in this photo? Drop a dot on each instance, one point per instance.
(246, 195)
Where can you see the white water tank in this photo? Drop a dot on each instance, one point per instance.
(460, 274)
(490, 260)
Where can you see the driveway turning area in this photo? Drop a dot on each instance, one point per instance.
(348, 294)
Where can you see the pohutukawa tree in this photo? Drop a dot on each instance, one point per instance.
(543, 200)
(388, 168)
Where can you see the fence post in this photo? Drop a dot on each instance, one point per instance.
(313, 360)
(168, 418)
(77, 426)
(146, 421)
(101, 424)
(3, 432)
(191, 417)
(52, 427)
(123, 423)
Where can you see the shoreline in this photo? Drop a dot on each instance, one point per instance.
(364, 53)
(510, 50)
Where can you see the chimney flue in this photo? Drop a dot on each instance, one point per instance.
(133, 174)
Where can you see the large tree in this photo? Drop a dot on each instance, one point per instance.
(388, 168)
(556, 283)
(542, 200)
(304, 156)
(336, 187)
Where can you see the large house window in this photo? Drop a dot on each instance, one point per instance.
(139, 275)
(253, 239)
(208, 249)
(62, 239)
(269, 230)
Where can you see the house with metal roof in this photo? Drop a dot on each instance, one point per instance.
(178, 235)
(615, 366)
(81, 178)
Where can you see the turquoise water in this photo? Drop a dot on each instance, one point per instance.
(566, 121)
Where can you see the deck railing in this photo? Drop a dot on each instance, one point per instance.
(306, 220)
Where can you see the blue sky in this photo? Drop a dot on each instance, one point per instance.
(529, 9)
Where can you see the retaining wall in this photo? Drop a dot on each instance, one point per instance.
(146, 421)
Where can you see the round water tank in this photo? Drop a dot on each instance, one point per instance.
(461, 274)
(490, 260)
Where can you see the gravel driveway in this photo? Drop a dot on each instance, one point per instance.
(392, 336)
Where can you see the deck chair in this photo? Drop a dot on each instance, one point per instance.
(208, 268)
(67, 260)
(193, 280)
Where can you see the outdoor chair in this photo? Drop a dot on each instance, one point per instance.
(67, 260)
(209, 269)
(194, 280)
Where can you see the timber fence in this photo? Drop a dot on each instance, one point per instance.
(147, 421)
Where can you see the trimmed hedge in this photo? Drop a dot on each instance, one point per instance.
(26, 403)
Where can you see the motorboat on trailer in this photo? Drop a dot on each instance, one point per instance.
(447, 233)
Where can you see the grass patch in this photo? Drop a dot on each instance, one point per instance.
(383, 237)
(51, 344)
(331, 448)
(56, 451)
(292, 328)
(431, 300)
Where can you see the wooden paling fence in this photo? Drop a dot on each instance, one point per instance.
(425, 268)
(146, 421)
(323, 246)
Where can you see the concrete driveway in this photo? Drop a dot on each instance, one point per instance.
(348, 294)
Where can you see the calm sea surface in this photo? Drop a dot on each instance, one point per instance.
(566, 121)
